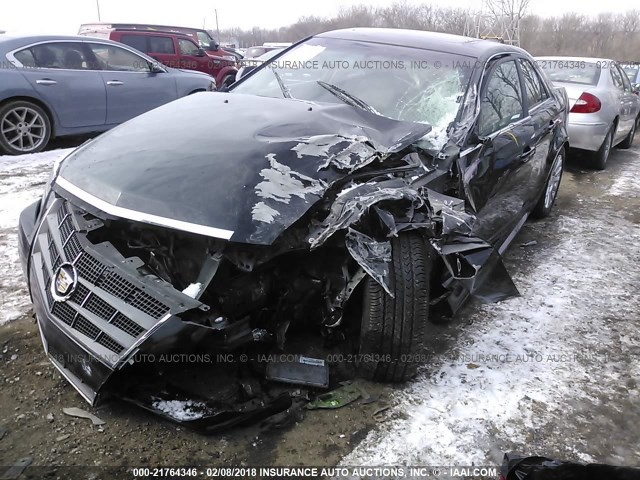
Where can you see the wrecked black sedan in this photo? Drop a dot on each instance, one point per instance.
(361, 184)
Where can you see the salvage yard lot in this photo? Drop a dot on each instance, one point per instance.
(552, 372)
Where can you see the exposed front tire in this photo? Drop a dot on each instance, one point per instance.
(602, 155)
(393, 330)
(550, 192)
(628, 141)
(24, 128)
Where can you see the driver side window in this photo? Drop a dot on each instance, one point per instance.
(187, 47)
(502, 100)
(118, 59)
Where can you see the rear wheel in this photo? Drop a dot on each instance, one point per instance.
(550, 192)
(628, 142)
(602, 155)
(24, 128)
(393, 330)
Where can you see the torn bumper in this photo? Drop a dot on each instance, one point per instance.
(112, 312)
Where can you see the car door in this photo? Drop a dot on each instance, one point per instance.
(189, 56)
(163, 49)
(498, 151)
(67, 81)
(545, 115)
(625, 104)
(131, 85)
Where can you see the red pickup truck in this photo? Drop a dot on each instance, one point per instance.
(174, 49)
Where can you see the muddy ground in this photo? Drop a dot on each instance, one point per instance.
(33, 394)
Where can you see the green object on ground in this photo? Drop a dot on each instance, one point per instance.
(337, 398)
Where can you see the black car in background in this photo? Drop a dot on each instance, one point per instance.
(363, 182)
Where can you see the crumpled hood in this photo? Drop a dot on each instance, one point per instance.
(228, 165)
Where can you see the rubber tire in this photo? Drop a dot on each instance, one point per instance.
(599, 159)
(227, 81)
(8, 149)
(395, 328)
(628, 141)
(540, 211)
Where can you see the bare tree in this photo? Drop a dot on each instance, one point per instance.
(507, 15)
(606, 35)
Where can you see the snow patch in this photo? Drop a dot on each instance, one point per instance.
(522, 364)
(193, 290)
(626, 184)
(181, 409)
(22, 181)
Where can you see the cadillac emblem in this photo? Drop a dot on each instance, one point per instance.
(64, 283)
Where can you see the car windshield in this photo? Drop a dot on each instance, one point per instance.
(401, 83)
(204, 39)
(571, 71)
(632, 72)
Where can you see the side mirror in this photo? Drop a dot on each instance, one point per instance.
(201, 53)
(154, 67)
(213, 46)
(635, 88)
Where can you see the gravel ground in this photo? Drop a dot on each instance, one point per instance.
(553, 372)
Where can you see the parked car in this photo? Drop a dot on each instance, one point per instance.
(259, 50)
(177, 50)
(202, 37)
(249, 65)
(604, 109)
(54, 86)
(633, 72)
(343, 206)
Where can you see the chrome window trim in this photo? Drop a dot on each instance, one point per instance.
(11, 55)
(514, 57)
(137, 216)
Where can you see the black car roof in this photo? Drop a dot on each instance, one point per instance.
(443, 42)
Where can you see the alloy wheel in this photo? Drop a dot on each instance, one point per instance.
(554, 181)
(23, 129)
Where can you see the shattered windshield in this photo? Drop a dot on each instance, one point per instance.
(401, 83)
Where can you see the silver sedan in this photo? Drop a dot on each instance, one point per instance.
(604, 110)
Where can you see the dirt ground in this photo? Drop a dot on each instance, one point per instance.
(33, 394)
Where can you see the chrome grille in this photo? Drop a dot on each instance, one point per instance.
(86, 327)
(72, 247)
(64, 312)
(117, 286)
(149, 305)
(80, 295)
(89, 268)
(127, 325)
(66, 228)
(99, 307)
(107, 342)
(95, 277)
(56, 259)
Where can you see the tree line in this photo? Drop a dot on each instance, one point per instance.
(606, 35)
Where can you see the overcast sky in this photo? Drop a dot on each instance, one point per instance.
(65, 16)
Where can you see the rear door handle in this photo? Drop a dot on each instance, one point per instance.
(115, 83)
(528, 153)
(46, 81)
